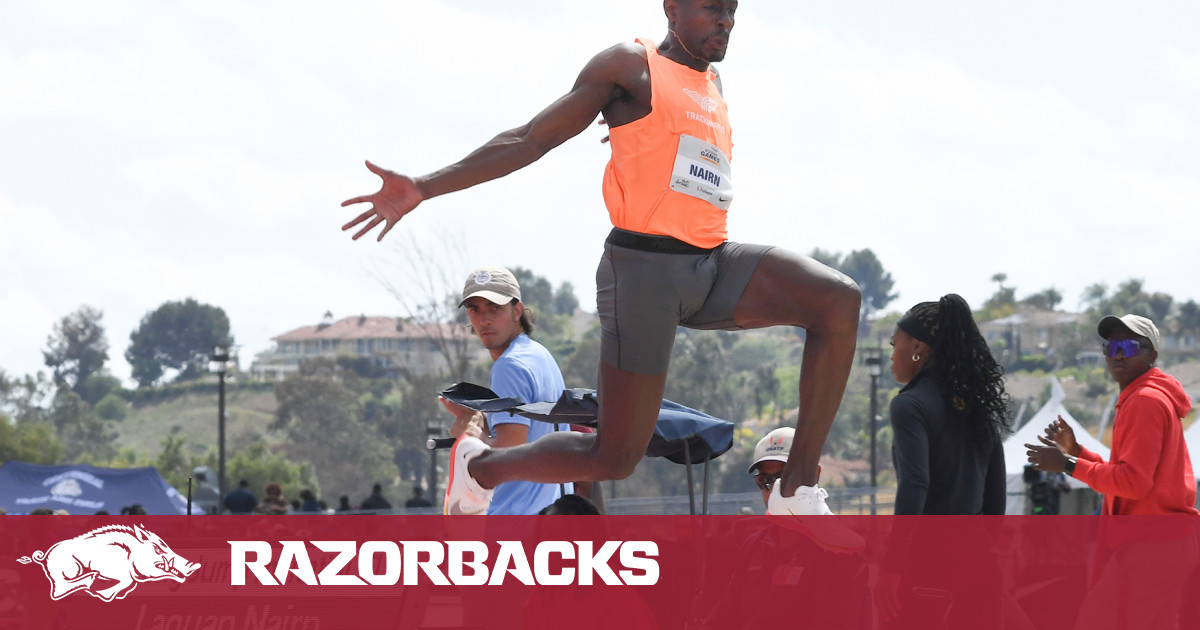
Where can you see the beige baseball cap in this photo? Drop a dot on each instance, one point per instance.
(774, 446)
(1136, 324)
(497, 284)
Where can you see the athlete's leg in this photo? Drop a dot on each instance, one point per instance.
(629, 405)
(794, 290)
(639, 316)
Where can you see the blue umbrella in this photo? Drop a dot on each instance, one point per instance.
(682, 435)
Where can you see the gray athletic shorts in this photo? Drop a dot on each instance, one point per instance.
(647, 286)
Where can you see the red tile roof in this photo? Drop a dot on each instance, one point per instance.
(363, 327)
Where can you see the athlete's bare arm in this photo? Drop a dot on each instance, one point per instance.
(615, 82)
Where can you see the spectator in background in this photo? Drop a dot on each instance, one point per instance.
(418, 499)
(779, 573)
(375, 502)
(522, 369)
(309, 502)
(948, 423)
(344, 504)
(133, 510)
(1140, 563)
(240, 500)
(273, 502)
(571, 505)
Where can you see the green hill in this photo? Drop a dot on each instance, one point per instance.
(192, 416)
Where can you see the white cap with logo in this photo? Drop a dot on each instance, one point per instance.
(773, 447)
(1136, 324)
(496, 284)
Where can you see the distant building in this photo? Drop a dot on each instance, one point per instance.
(392, 344)
(1032, 331)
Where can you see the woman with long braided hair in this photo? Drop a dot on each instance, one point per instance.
(949, 419)
(947, 426)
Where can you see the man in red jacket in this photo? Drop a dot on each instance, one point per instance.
(1149, 473)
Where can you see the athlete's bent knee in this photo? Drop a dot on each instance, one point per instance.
(843, 299)
(617, 466)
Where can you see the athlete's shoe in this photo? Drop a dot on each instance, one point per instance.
(802, 512)
(464, 495)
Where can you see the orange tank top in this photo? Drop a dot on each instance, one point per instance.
(669, 173)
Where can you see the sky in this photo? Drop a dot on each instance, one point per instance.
(152, 152)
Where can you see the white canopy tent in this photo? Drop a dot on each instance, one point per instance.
(1014, 447)
(1192, 437)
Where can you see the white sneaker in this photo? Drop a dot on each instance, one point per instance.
(464, 495)
(801, 510)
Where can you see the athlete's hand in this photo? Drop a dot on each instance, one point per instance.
(1062, 435)
(604, 123)
(398, 195)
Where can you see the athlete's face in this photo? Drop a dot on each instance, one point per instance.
(767, 474)
(904, 348)
(496, 325)
(1125, 368)
(703, 26)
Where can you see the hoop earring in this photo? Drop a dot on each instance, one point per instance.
(916, 358)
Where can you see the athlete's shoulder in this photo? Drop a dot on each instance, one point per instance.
(621, 59)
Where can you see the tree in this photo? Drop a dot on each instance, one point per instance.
(418, 409)
(699, 376)
(582, 366)
(1002, 303)
(1093, 295)
(421, 281)
(77, 347)
(320, 409)
(1187, 319)
(553, 310)
(176, 337)
(565, 300)
(873, 281)
(23, 398)
(98, 386)
(1045, 300)
(260, 467)
(29, 442)
(1130, 297)
(84, 436)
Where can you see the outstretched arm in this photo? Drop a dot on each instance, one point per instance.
(604, 80)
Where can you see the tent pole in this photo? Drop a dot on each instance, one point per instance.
(687, 458)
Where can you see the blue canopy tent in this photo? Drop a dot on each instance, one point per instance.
(83, 489)
(682, 435)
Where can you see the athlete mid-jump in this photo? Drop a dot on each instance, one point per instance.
(666, 263)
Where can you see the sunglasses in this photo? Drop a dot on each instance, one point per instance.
(765, 481)
(1128, 347)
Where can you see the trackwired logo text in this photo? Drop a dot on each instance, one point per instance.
(387, 563)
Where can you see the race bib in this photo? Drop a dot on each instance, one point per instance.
(702, 171)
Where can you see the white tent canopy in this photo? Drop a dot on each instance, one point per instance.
(1192, 438)
(1015, 458)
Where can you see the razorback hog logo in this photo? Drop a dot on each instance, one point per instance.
(109, 562)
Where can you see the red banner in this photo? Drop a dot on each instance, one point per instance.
(367, 572)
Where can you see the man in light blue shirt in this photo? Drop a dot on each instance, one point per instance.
(523, 369)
